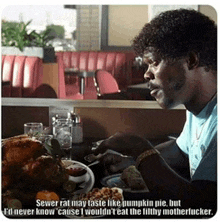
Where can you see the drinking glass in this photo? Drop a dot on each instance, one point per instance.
(33, 129)
(62, 131)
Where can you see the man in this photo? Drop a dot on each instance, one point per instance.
(179, 48)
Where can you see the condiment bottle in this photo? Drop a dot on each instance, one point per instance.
(77, 129)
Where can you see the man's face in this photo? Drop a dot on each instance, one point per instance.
(167, 80)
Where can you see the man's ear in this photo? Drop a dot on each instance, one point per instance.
(192, 60)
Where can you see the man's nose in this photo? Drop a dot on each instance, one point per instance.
(148, 75)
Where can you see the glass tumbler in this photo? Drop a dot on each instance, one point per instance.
(33, 129)
(62, 131)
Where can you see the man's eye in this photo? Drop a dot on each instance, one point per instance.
(150, 61)
(154, 62)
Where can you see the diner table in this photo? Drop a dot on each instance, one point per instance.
(82, 74)
(78, 152)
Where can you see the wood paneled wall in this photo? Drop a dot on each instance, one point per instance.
(14, 117)
(150, 123)
(101, 122)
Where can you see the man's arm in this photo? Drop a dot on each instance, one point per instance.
(175, 157)
(163, 181)
(160, 176)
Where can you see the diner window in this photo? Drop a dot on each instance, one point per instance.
(88, 27)
(61, 19)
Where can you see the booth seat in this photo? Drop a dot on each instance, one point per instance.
(119, 64)
(23, 74)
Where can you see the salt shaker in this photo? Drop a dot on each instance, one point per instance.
(77, 128)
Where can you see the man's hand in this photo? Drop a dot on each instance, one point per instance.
(124, 143)
(115, 163)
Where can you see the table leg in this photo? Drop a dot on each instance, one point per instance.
(82, 85)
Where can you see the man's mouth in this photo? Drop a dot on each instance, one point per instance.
(154, 92)
(153, 89)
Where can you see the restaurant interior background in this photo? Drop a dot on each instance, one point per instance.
(99, 27)
(104, 28)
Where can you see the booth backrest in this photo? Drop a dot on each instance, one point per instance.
(105, 82)
(24, 73)
(119, 64)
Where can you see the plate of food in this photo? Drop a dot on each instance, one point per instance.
(130, 180)
(96, 202)
(80, 174)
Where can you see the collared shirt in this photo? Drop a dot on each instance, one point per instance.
(199, 141)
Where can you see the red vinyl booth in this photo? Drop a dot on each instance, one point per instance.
(106, 83)
(119, 64)
(24, 74)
